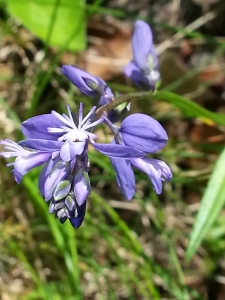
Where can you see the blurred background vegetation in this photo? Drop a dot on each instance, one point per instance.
(124, 250)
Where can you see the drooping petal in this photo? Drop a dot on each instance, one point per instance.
(70, 149)
(24, 164)
(82, 186)
(124, 177)
(141, 44)
(88, 84)
(77, 221)
(147, 167)
(116, 150)
(42, 145)
(59, 173)
(142, 132)
(17, 175)
(36, 127)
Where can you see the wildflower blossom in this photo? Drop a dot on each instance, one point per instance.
(143, 70)
(60, 141)
(145, 134)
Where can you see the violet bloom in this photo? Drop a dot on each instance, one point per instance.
(88, 84)
(143, 70)
(145, 134)
(68, 136)
(61, 143)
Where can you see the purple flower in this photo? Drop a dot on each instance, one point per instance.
(64, 180)
(71, 135)
(143, 70)
(88, 84)
(140, 132)
(61, 143)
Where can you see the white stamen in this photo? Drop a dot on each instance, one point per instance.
(72, 132)
(89, 114)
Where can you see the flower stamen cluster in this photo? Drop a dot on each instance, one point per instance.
(72, 131)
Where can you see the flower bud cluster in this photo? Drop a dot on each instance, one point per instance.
(60, 142)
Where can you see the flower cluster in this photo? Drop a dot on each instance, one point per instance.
(60, 142)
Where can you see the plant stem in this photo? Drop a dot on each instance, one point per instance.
(119, 100)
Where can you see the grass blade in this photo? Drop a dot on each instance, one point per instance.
(211, 204)
(189, 107)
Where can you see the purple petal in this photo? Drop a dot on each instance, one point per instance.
(142, 132)
(77, 221)
(124, 177)
(116, 150)
(59, 173)
(135, 74)
(147, 167)
(82, 186)
(82, 80)
(70, 149)
(42, 145)
(141, 44)
(17, 175)
(36, 127)
(24, 164)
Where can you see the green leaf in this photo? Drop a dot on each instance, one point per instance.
(212, 202)
(189, 107)
(58, 23)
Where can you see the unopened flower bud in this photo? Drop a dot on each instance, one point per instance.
(143, 70)
(88, 84)
(70, 203)
(61, 190)
(93, 85)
